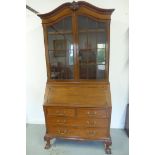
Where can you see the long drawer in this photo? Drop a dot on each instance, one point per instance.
(83, 122)
(90, 133)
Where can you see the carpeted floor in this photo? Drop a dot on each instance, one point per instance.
(35, 144)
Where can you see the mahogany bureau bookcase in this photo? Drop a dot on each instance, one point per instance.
(77, 103)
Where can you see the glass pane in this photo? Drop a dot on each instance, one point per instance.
(88, 71)
(51, 29)
(67, 24)
(83, 71)
(57, 61)
(61, 64)
(91, 40)
(82, 22)
(63, 26)
(56, 42)
(83, 40)
(100, 61)
(100, 71)
(71, 55)
(101, 38)
(92, 57)
(100, 55)
(87, 64)
(59, 26)
(92, 24)
(61, 52)
(91, 71)
(69, 41)
(101, 25)
(83, 56)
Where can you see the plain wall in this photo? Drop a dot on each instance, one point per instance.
(36, 66)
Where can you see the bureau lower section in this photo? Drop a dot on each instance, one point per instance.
(78, 123)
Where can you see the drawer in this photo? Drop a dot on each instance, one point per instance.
(87, 122)
(95, 133)
(62, 131)
(77, 122)
(60, 111)
(87, 133)
(92, 112)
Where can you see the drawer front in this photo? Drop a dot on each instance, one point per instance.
(95, 133)
(92, 112)
(61, 111)
(87, 122)
(77, 122)
(62, 131)
(87, 133)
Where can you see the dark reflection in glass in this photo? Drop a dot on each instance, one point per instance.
(82, 22)
(101, 38)
(83, 57)
(59, 26)
(51, 29)
(101, 25)
(91, 57)
(83, 71)
(67, 24)
(91, 40)
(82, 40)
(92, 24)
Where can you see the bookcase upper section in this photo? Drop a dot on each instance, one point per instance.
(77, 42)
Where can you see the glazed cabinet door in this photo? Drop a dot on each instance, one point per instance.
(60, 49)
(78, 48)
(92, 41)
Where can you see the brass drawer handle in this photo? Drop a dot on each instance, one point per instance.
(92, 133)
(61, 121)
(91, 123)
(62, 132)
(91, 113)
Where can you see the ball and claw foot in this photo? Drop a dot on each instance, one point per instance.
(47, 146)
(107, 145)
(47, 139)
(108, 151)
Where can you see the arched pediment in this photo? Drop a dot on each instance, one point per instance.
(79, 7)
